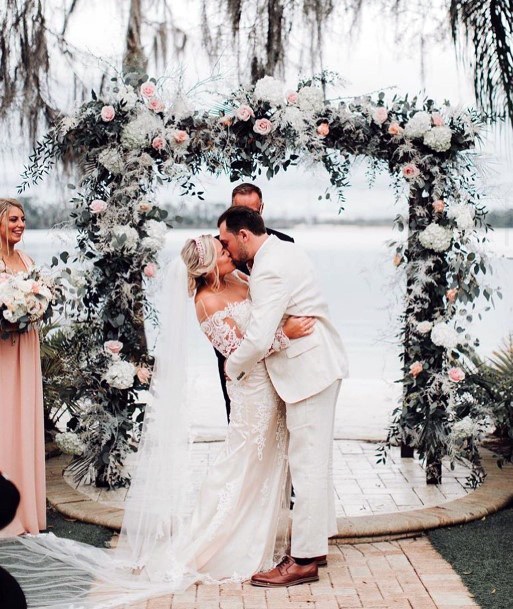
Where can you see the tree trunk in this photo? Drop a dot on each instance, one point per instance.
(134, 58)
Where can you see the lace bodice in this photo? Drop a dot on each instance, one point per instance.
(225, 328)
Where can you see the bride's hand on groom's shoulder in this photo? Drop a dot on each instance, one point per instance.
(297, 327)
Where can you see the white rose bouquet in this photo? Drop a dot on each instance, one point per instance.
(25, 298)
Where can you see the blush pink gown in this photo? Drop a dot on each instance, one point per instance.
(22, 445)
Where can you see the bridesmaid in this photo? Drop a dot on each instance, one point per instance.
(22, 448)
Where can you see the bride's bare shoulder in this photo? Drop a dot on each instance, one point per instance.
(207, 303)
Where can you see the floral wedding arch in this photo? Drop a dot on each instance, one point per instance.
(131, 141)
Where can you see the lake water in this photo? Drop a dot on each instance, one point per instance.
(363, 290)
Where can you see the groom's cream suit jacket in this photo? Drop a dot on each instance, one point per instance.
(283, 282)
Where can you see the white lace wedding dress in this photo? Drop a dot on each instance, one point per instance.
(239, 524)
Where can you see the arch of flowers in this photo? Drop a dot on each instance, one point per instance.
(131, 140)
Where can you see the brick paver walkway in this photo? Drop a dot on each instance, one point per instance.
(362, 486)
(405, 574)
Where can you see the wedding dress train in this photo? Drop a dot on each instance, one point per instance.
(237, 525)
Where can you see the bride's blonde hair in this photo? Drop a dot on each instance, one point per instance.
(200, 258)
(5, 205)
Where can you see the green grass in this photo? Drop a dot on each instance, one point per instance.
(481, 553)
(61, 526)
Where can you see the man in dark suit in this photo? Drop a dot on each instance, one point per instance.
(11, 595)
(247, 195)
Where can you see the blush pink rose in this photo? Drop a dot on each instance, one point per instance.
(144, 206)
(438, 120)
(410, 171)
(380, 115)
(158, 143)
(36, 287)
(397, 259)
(143, 374)
(97, 206)
(148, 89)
(263, 126)
(107, 113)
(451, 294)
(395, 129)
(113, 347)
(438, 206)
(416, 368)
(180, 136)
(244, 113)
(150, 270)
(292, 97)
(226, 121)
(456, 375)
(323, 129)
(156, 104)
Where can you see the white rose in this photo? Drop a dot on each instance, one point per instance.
(424, 327)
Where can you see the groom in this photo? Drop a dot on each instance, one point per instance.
(306, 375)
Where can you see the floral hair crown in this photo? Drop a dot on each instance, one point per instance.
(200, 248)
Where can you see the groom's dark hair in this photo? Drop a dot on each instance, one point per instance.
(240, 217)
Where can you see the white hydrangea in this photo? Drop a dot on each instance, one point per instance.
(139, 132)
(463, 215)
(435, 237)
(423, 327)
(123, 237)
(120, 374)
(418, 124)
(111, 160)
(310, 99)
(156, 234)
(271, 90)
(438, 139)
(69, 443)
(444, 335)
(127, 96)
(463, 429)
(294, 117)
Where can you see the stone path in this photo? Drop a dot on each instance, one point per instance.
(406, 574)
(363, 487)
(374, 502)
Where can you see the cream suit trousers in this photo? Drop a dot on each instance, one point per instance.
(310, 423)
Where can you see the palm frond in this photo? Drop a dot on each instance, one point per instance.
(502, 360)
(488, 27)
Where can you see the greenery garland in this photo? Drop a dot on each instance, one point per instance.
(130, 141)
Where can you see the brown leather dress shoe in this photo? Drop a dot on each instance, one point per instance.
(287, 573)
(322, 561)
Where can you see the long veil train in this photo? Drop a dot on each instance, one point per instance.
(168, 539)
(60, 573)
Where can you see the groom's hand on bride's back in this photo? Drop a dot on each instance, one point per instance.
(297, 327)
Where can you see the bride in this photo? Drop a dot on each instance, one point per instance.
(238, 523)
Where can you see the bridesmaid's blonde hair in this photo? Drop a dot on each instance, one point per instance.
(200, 258)
(5, 205)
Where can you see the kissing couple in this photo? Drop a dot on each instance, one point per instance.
(284, 365)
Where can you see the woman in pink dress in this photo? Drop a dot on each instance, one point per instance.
(22, 449)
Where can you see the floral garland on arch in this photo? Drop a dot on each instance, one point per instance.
(131, 140)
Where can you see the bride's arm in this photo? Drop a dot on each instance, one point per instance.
(224, 334)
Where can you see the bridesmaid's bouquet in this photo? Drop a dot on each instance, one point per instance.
(25, 298)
